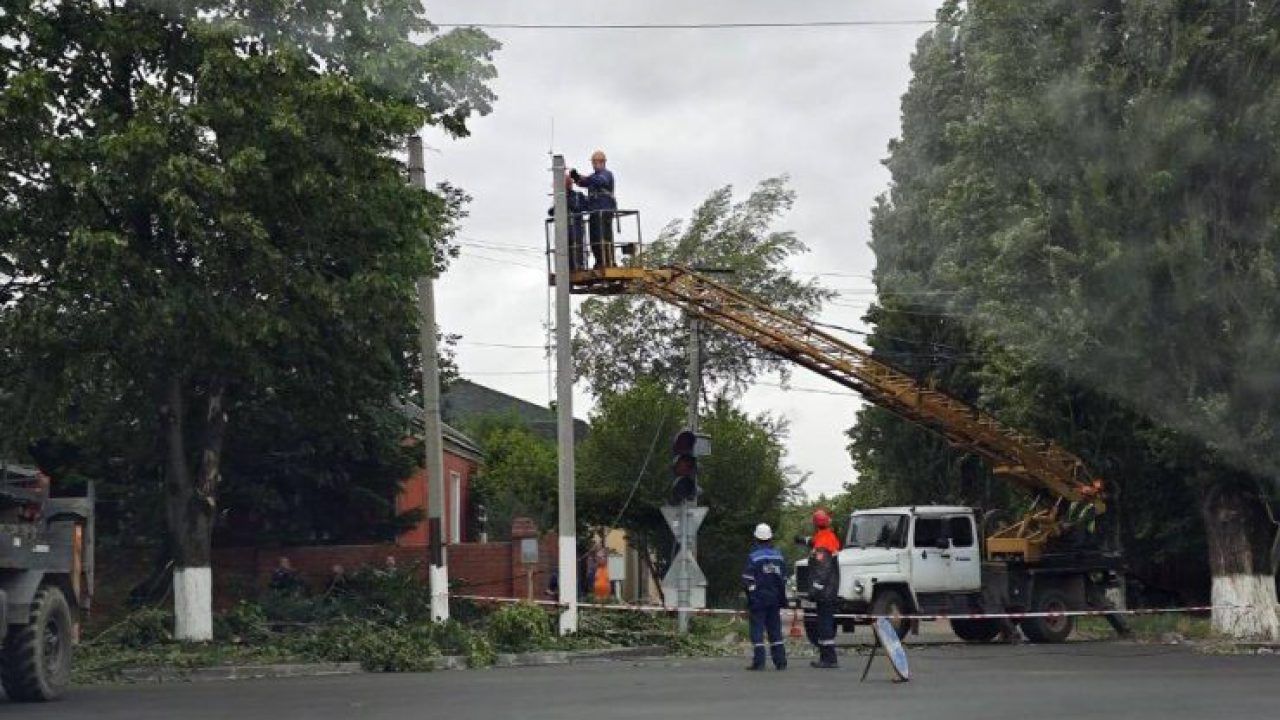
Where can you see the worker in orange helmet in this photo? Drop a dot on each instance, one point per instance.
(824, 586)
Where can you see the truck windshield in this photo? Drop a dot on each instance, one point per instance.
(888, 531)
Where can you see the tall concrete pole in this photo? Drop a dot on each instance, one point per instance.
(438, 569)
(695, 372)
(564, 408)
(684, 582)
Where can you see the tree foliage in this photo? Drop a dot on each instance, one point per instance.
(625, 478)
(519, 474)
(1082, 218)
(201, 216)
(620, 340)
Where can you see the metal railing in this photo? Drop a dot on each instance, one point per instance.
(618, 249)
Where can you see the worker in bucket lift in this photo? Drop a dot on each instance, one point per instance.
(600, 202)
(577, 203)
(824, 586)
(764, 579)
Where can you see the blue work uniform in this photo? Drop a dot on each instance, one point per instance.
(764, 579)
(577, 203)
(600, 200)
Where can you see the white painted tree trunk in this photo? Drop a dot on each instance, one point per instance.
(193, 604)
(1253, 615)
(438, 582)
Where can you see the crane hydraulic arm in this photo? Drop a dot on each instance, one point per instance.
(1034, 463)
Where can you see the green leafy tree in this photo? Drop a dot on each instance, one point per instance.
(199, 207)
(518, 477)
(1083, 211)
(620, 340)
(625, 478)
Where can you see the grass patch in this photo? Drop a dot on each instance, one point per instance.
(1150, 628)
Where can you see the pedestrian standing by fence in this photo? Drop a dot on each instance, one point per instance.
(764, 580)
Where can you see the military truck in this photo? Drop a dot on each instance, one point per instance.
(46, 582)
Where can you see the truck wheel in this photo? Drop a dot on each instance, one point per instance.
(977, 631)
(37, 656)
(1049, 629)
(891, 603)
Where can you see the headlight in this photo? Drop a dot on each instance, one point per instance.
(858, 587)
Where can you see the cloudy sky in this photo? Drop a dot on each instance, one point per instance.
(680, 113)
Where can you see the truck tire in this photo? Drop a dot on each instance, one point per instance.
(1049, 629)
(975, 630)
(37, 656)
(892, 603)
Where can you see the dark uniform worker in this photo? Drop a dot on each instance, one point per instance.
(601, 202)
(577, 203)
(824, 586)
(765, 582)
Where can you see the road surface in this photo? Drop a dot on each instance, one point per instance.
(1077, 680)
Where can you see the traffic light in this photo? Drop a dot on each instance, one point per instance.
(684, 468)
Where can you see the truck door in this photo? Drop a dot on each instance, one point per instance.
(930, 564)
(966, 569)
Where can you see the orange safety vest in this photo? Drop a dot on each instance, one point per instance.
(827, 540)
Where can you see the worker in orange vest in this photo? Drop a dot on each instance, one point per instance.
(601, 587)
(824, 587)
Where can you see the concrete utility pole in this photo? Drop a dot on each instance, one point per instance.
(564, 408)
(438, 572)
(687, 537)
(695, 372)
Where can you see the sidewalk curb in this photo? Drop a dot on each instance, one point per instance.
(557, 657)
(444, 662)
(238, 672)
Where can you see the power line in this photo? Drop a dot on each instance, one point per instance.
(504, 372)
(691, 26)
(502, 345)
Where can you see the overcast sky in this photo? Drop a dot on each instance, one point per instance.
(680, 113)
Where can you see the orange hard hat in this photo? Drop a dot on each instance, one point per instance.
(821, 518)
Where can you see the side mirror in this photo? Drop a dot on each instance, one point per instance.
(942, 543)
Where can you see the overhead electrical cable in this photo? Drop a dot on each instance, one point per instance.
(691, 26)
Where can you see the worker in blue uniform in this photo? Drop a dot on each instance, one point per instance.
(577, 203)
(765, 582)
(601, 203)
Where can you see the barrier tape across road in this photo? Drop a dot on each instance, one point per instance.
(870, 617)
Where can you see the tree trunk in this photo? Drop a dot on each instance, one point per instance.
(191, 502)
(1244, 590)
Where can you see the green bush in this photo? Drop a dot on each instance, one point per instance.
(378, 648)
(628, 629)
(245, 623)
(520, 627)
(393, 598)
(140, 629)
(293, 608)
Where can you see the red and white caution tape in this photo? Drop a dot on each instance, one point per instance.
(870, 617)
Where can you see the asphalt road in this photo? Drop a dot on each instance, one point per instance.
(1077, 680)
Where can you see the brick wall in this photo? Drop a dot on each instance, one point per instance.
(490, 569)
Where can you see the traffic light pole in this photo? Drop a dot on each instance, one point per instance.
(568, 574)
(684, 599)
(695, 372)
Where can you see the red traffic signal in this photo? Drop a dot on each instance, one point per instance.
(684, 443)
(684, 467)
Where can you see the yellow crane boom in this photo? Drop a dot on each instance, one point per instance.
(1037, 464)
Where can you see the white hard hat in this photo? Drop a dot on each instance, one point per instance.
(764, 532)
